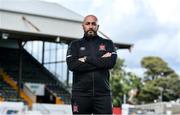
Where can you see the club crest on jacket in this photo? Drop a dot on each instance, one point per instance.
(102, 47)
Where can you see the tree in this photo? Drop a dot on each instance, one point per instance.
(162, 89)
(161, 82)
(131, 87)
(117, 74)
(156, 67)
(122, 82)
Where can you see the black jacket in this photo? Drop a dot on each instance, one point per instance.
(92, 77)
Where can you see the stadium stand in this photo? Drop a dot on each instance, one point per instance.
(7, 92)
(32, 72)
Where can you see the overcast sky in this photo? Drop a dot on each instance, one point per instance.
(153, 26)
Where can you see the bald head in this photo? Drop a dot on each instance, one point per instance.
(90, 26)
(90, 16)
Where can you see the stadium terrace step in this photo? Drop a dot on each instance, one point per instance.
(1, 98)
(32, 72)
(11, 84)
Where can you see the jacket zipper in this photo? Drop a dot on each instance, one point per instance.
(93, 82)
(91, 50)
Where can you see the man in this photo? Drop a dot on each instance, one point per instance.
(90, 59)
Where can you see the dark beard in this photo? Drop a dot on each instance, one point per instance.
(90, 34)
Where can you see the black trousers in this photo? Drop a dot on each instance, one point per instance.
(91, 105)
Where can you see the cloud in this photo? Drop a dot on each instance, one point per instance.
(153, 31)
(160, 45)
(166, 11)
(138, 71)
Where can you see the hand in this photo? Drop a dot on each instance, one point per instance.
(108, 54)
(82, 59)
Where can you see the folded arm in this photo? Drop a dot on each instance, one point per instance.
(107, 61)
(75, 63)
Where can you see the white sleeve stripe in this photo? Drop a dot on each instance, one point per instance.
(68, 56)
(113, 52)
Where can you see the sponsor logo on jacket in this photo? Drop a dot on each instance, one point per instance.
(82, 48)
